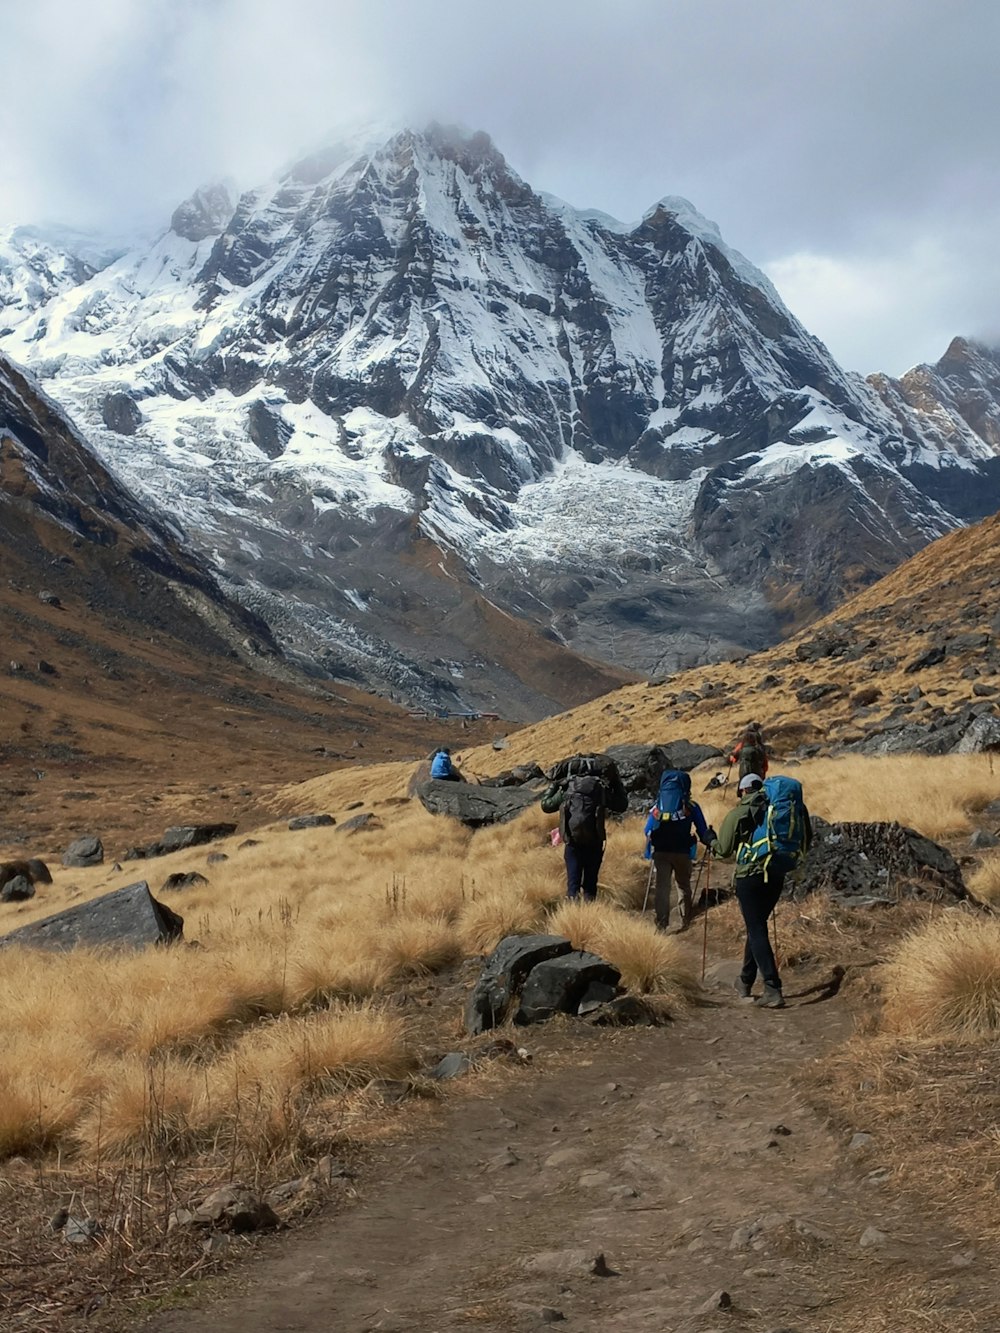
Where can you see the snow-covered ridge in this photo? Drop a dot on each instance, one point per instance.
(402, 337)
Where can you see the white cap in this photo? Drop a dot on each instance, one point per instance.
(748, 780)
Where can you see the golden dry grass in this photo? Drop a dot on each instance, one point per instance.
(650, 962)
(944, 979)
(984, 881)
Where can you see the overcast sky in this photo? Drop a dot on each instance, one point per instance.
(848, 147)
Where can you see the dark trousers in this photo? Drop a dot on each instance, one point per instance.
(757, 897)
(582, 867)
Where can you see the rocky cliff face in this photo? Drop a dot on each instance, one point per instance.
(399, 397)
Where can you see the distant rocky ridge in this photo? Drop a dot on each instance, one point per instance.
(438, 429)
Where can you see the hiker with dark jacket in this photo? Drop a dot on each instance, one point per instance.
(583, 789)
(758, 883)
(669, 840)
(750, 752)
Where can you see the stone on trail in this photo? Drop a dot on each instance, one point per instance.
(88, 851)
(237, 1209)
(558, 985)
(129, 918)
(503, 974)
(622, 1011)
(310, 821)
(982, 839)
(472, 805)
(452, 1065)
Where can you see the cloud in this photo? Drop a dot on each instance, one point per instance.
(837, 145)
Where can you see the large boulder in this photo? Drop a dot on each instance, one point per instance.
(560, 984)
(17, 889)
(687, 755)
(982, 736)
(515, 777)
(640, 766)
(33, 870)
(503, 974)
(472, 805)
(87, 851)
(129, 918)
(863, 864)
(121, 413)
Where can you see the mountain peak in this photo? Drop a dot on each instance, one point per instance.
(204, 214)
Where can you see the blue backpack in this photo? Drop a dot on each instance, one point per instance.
(673, 800)
(441, 765)
(781, 831)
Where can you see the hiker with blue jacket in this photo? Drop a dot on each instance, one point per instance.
(441, 766)
(669, 840)
(767, 832)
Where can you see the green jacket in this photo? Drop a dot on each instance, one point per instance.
(737, 828)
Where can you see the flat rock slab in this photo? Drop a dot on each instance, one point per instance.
(179, 837)
(129, 918)
(474, 806)
(503, 975)
(558, 985)
(310, 821)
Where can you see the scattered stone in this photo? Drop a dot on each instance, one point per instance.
(17, 889)
(280, 1194)
(391, 1090)
(49, 598)
(87, 851)
(81, 1230)
(328, 1169)
(565, 1157)
(928, 659)
(58, 1219)
(811, 694)
(120, 412)
(623, 1011)
(33, 870)
(859, 1142)
(129, 918)
(46, 668)
(310, 821)
(361, 823)
(503, 974)
(983, 691)
(982, 839)
(623, 1192)
(591, 1180)
(601, 1268)
(963, 1259)
(550, 1315)
(872, 1238)
(451, 1066)
(179, 880)
(216, 1244)
(719, 1300)
(216, 858)
(561, 1263)
(981, 737)
(179, 838)
(502, 1160)
(236, 1209)
(558, 985)
(248, 842)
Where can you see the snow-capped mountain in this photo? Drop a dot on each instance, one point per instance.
(399, 397)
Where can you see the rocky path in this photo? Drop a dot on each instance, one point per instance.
(718, 1199)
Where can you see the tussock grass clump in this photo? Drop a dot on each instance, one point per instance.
(486, 921)
(650, 963)
(944, 980)
(984, 881)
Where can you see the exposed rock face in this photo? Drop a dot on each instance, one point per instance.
(503, 975)
(204, 214)
(120, 413)
(474, 806)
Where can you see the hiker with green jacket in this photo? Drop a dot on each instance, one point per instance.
(758, 883)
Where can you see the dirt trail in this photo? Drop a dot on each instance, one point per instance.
(682, 1154)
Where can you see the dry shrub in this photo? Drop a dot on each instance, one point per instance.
(416, 946)
(984, 882)
(487, 920)
(650, 962)
(944, 979)
(144, 1105)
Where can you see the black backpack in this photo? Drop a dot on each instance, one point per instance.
(581, 815)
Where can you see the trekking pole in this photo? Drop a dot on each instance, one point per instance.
(708, 884)
(649, 885)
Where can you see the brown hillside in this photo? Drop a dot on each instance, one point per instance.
(947, 598)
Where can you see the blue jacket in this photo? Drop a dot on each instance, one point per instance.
(441, 765)
(674, 835)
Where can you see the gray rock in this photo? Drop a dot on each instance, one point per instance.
(623, 1011)
(17, 889)
(860, 864)
(268, 429)
(981, 737)
(811, 694)
(550, 1315)
(872, 1239)
(472, 805)
(982, 839)
(81, 1230)
(558, 985)
(859, 1142)
(129, 918)
(49, 598)
(366, 823)
(180, 880)
(503, 974)
(120, 413)
(180, 837)
(236, 1209)
(928, 659)
(310, 821)
(451, 1066)
(88, 851)
(719, 1300)
(216, 858)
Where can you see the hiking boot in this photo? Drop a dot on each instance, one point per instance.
(771, 999)
(744, 989)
